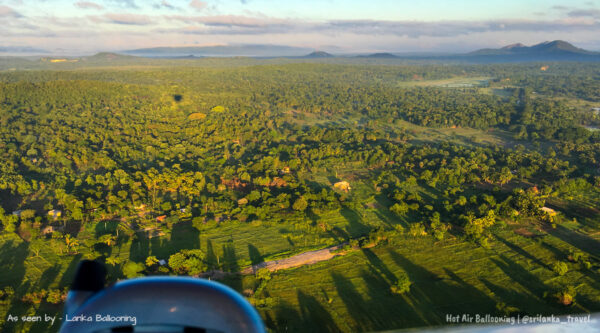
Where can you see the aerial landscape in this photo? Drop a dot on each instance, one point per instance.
(355, 173)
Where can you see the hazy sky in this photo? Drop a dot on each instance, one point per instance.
(85, 27)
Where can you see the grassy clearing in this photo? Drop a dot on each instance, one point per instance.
(455, 82)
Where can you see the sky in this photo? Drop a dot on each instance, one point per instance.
(74, 27)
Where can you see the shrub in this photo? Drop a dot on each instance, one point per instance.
(566, 296)
(560, 268)
(402, 285)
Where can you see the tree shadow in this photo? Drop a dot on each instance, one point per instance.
(558, 254)
(103, 249)
(50, 310)
(230, 264)
(16, 308)
(315, 318)
(520, 251)
(509, 297)
(140, 246)
(184, 236)
(355, 304)
(379, 266)
(211, 257)
(69, 274)
(384, 213)
(433, 297)
(106, 227)
(12, 263)
(159, 247)
(12, 266)
(48, 276)
(580, 241)
(530, 282)
(287, 319)
(255, 256)
(355, 226)
(338, 233)
(314, 218)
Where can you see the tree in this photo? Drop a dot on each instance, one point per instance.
(300, 204)
(54, 296)
(71, 242)
(151, 261)
(566, 296)
(399, 209)
(133, 269)
(476, 226)
(35, 247)
(417, 229)
(190, 262)
(113, 260)
(108, 239)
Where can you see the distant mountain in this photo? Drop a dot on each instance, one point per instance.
(554, 50)
(108, 56)
(250, 50)
(319, 54)
(380, 56)
(21, 50)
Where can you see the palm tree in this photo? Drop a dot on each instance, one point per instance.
(71, 242)
(108, 239)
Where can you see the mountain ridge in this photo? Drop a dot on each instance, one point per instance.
(555, 47)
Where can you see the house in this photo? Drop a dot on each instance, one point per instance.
(161, 218)
(17, 212)
(48, 230)
(597, 110)
(548, 211)
(284, 171)
(544, 68)
(162, 262)
(342, 186)
(55, 213)
(182, 210)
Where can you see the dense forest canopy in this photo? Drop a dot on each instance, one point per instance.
(129, 166)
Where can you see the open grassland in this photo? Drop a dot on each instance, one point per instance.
(352, 293)
(454, 82)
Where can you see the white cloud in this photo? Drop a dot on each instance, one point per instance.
(88, 5)
(198, 5)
